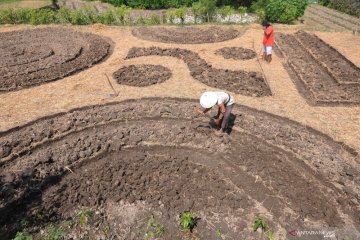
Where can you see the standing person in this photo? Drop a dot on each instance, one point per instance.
(225, 103)
(268, 41)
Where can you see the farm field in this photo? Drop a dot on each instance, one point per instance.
(98, 124)
(4, 4)
(329, 19)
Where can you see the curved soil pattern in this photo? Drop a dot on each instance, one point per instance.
(34, 57)
(322, 74)
(154, 156)
(142, 75)
(246, 83)
(186, 35)
(237, 53)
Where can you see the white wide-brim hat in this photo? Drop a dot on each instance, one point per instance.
(208, 99)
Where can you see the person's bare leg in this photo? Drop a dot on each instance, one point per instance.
(269, 58)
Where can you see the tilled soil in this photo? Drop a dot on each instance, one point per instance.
(186, 35)
(321, 73)
(339, 67)
(156, 153)
(241, 82)
(142, 75)
(237, 53)
(34, 57)
(331, 18)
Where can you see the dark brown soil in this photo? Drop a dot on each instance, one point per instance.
(186, 35)
(142, 75)
(241, 82)
(322, 74)
(339, 67)
(34, 57)
(154, 157)
(236, 53)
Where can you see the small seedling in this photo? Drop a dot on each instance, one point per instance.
(188, 221)
(53, 233)
(24, 222)
(84, 215)
(260, 222)
(154, 229)
(106, 229)
(218, 233)
(68, 224)
(38, 215)
(23, 236)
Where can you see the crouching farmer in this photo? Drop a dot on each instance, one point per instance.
(224, 101)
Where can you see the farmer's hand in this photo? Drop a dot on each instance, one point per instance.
(217, 122)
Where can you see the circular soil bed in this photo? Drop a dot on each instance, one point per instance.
(186, 35)
(242, 82)
(126, 169)
(142, 75)
(236, 53)
(33, 57)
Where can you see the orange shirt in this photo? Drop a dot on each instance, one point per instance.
(269, 37)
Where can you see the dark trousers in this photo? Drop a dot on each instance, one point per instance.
(226, 118)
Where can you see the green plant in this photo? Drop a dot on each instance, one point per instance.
(285, 11)
(242, 10)
(38, 215)
(170, 15)
(23, 236)
(208, 8)
(154, 229)
(63, 15)
(106, 17)
(154, 19)
(84, 215)
(261, 223)
(42, 16)
(188, 221)
(53, 233)
(218, 233)
(68, 224)
(197, 10)
(124, 14)
(181, 13)
(225, 11)
(24, 222)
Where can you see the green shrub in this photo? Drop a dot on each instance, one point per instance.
(63, 15)
(124, 14)
(285, 11)
(181, 13)
(42, 16)
(23, 236)
(197, 10)
(107, 17)
(208, 7)
(154, 19)
(171, 15)
(83, 16)
(225, 11)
